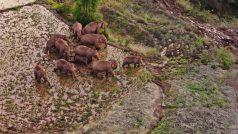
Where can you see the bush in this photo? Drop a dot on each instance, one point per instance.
(86, 11)
(61, 8)
(145, 76)
(205, 57)
(225, 58)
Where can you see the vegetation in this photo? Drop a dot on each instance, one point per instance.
(86, 11)
(222, 13)
(83, 11)
(205, 57)
(195, 11)
(61, 8)
(164, 127)
(225, 58)
(207, 92)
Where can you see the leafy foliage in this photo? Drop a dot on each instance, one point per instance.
(225, 58)
(86, 11)
(61, 8)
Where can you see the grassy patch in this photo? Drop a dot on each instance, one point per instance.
(225, 58)
(145, 76)
(164, 127)
(139, 121)
(196, 11)
(61, 8)
(205, 57)
(177, 66)
(207, 93)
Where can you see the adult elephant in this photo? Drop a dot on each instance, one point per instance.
(96, 41)
(93, 27)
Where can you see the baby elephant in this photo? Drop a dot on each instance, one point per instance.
(136, 60)
(88, 53)
(40, 72)
(65, 67)
(50, 45)
(104, 66)
(63, 48)
(77, 29)
(96, 41)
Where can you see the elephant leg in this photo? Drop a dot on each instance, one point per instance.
(61, 52)
(123, 65)
(84, 60)
(46, 80)
(106, 75)
(35, 74)
(38, 79)
(134, 65)
(94, 74)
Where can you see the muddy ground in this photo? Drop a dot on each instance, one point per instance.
(69, 105)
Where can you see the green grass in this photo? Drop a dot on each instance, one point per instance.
(206, 92)
(61, 8)
(164, 127)
(205, 57)
(177, 66)
(197, 12)
(225, 58)
(145, 76)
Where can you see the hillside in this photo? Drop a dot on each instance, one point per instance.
(187, 83)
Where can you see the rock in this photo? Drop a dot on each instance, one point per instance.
(137, 114)
(6, 4)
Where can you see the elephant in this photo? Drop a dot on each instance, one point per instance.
(66, 67)
(136, 60)
(63, 48)
(40, 72)
(93, 27)
(88, 53)
(96, 41)
(50, 45)
(77, 29)
(104, 66)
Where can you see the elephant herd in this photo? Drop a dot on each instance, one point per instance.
(90, 42)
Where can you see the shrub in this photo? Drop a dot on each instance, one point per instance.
(225, 58)
(205, 57)
(145, 76)
(61, 8)
(86, 11)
